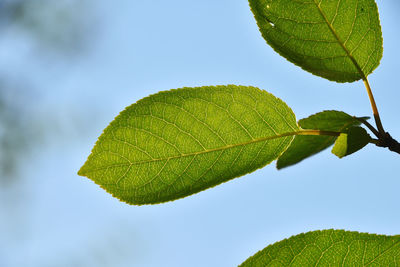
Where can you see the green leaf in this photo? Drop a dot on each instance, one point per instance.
(347, 143)
(179, 142)
(305, 146)
(329, 120)
(335, 39)
(330, 248)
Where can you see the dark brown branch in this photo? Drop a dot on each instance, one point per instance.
(389, 142)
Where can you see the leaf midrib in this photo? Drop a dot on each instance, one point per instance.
(348, 53)
(253, 141)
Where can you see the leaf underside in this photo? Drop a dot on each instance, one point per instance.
(330, 248)
(353, 140)
(303, 146)
(179, 142)
(340, 40)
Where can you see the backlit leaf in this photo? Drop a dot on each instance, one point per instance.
(304, 146)
(330, 248)
(340, 40)
(179, 142)
(347, 143)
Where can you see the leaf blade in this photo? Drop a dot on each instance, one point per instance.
(337, 40)
(303, 147)
(330, 248)
(179, 142)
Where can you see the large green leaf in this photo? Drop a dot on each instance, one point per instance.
(340, 40)
(179, 142)
(353, 140)
(330, 248)
(304, 146)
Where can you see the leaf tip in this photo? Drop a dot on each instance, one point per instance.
(280, 165)
(81, 171)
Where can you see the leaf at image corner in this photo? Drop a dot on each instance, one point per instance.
(336, 39)
(330, 248)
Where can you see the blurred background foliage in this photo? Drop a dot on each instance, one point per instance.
(14, 130)
(52, 25)
(39, 33)
(55, 30)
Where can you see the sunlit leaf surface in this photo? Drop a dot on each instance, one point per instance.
(179, 142)
(330, 248)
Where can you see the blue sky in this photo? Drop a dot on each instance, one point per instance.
(140, 48)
